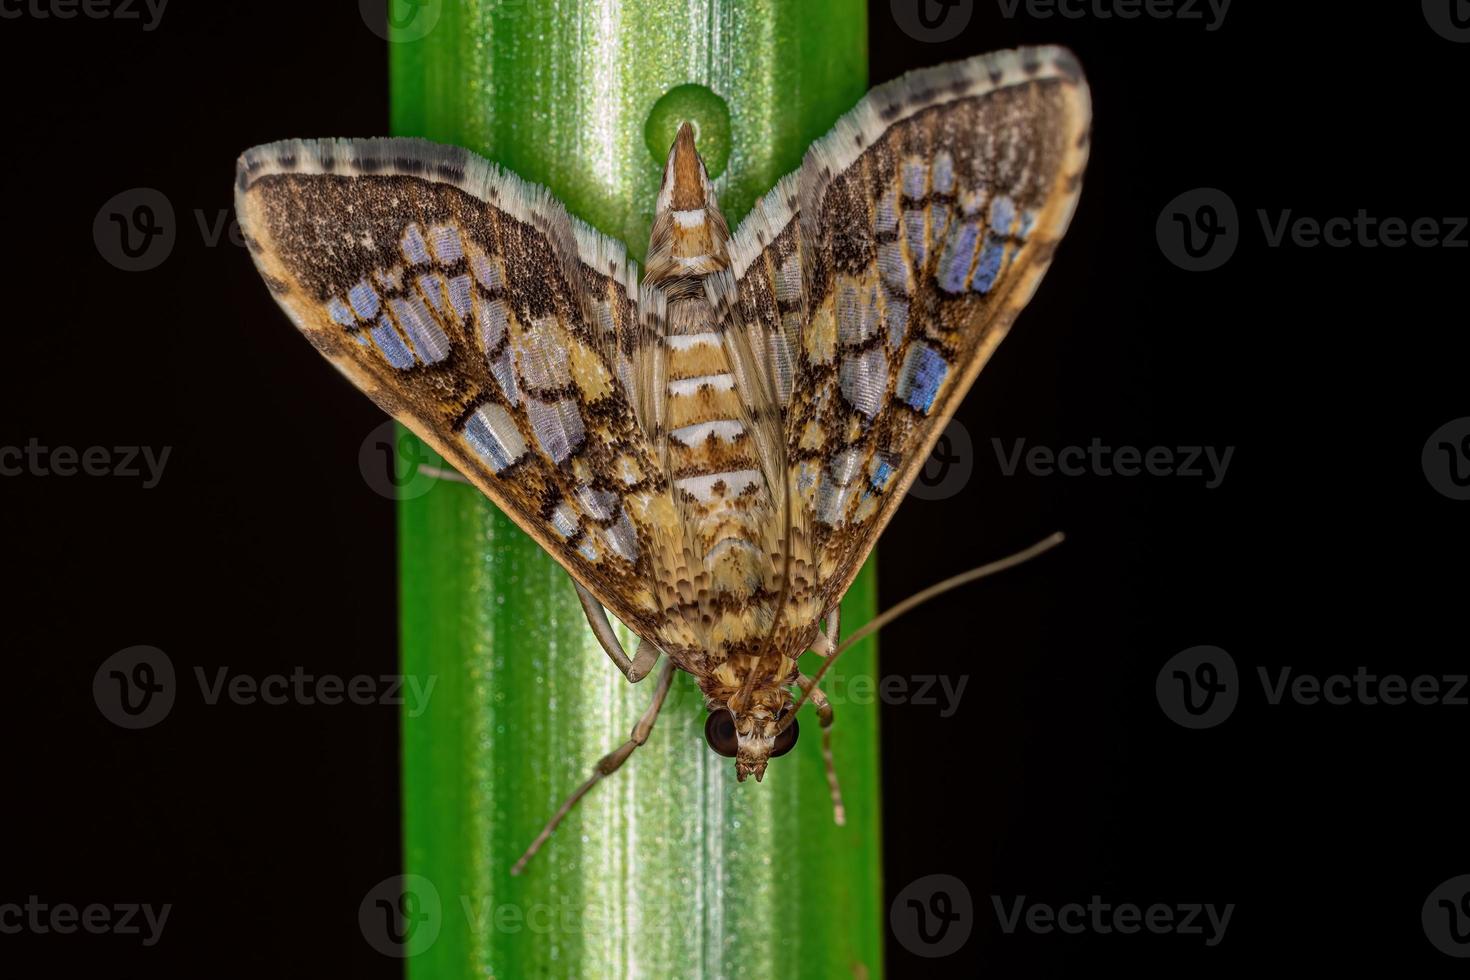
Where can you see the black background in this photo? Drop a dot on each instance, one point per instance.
(1058, 777)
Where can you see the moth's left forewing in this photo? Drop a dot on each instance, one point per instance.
(880, 283)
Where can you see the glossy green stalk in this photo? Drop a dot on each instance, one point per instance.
(669, 868)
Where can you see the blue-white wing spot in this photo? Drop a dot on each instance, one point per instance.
(364, 300)
(492, 432)
(429, 340)
(564, 519)
(863, 379)
(993, 255)
(622, 538)
(881, 474)
(923, 371)
(959, 252)
(447, 246)
(340, 314)
(557, 426)
(385, 335)
(837, 487)
(415, 249)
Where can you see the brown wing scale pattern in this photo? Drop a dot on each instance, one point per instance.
(469, 306)
(875, 282)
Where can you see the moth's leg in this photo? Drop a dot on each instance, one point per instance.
(827, 639)
(824, 714)
(444, 473)
(636, 668)
(607, 765)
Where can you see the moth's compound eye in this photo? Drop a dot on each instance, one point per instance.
(719, 732)
(786, 741)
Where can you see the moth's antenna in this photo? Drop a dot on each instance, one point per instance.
(918, 599)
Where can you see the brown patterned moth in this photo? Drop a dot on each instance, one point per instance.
(710, 450)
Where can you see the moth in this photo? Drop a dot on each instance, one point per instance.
(710, 447)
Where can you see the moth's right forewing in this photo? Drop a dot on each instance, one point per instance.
(915, 233)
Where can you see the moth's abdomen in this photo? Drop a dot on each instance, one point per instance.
(712, 456)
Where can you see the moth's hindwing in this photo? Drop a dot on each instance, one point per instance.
(473, 309)
(874, 283)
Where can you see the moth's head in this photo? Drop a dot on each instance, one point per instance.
(752, 738)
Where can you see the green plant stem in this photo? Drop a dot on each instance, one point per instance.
(669, 868)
